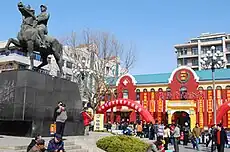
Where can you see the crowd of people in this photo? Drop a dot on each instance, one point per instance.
(163, 134)
(174, 134)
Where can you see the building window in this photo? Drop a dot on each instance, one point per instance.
(138, 94)
(183, 93)
(125, 94)
(195, 51)
(228, 58)
(209, 88)
(168, 94)
(218, 88)
(107, 70)
(200, 88)
(69, 65)
(68, 77)
(152, 90)
(145, 90)
(185, 61)
(194, 62)
(228, 87)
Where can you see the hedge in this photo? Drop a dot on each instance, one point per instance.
(122, 143)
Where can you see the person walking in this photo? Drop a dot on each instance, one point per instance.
(155, 128)
(61, 119)
(221, 138)
(186, 130)
(87, 120)
(176, 137)
(151, 131)
(196, 132)
(139, 129)
(161, 129)
(166, 136)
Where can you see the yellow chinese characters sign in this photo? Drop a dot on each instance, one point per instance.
(210, 107)
(201, 107)
(145, 103)
(218, 96)
(228, 99)
(152, 102)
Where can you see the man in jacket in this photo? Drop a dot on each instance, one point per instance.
(56, 144)
(196, 132)
(61, 119)
(39, 147)
(176, 137)
(221, 138)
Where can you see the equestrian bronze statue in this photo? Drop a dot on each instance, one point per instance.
(33, 37)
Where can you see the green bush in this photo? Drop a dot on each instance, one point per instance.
(122, 143)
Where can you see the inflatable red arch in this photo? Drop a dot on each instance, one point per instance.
(222, 110)
(129, 103)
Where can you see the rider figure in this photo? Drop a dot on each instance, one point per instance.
(42, 20)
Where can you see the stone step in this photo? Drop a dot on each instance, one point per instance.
(22, 148)
(70, 143)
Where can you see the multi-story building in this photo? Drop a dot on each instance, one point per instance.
(190, 53)
(184, 95)
(15, 59)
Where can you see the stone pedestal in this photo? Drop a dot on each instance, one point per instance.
(28, 99)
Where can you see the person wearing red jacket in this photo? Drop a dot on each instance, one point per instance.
(87, 119)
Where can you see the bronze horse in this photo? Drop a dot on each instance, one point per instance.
(28, 40)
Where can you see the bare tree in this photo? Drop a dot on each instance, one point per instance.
(105, 52)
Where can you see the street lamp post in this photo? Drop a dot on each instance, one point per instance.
(212, 60)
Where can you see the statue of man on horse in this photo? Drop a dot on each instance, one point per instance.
(33, 37)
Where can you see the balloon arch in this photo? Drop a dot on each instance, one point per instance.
(224, 108)
(129, 103)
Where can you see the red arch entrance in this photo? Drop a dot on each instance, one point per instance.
(222, 111)
(129, 103)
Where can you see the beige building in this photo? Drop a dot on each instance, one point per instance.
(190, 53)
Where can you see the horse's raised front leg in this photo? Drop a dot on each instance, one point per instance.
(44, 61)
(59, 62)
(30, 49)
(14, 41)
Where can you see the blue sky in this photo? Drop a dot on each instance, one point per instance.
(154, 26)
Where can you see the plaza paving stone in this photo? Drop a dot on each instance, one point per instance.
(87, 143)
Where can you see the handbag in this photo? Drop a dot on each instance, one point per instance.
(52, 129)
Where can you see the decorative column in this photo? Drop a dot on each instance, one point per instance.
(192, 118)
(169, 117)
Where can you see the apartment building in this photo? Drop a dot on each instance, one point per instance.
(190, 53)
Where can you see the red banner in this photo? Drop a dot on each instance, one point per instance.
(210, 106)
(218, 97)
(201, 110)
(145, 100)
(152, 102)
(228, 99)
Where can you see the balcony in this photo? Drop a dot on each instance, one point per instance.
(188, 55)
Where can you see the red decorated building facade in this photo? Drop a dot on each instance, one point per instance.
(181, 96)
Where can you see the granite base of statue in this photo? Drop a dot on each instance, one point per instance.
(28, 99)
